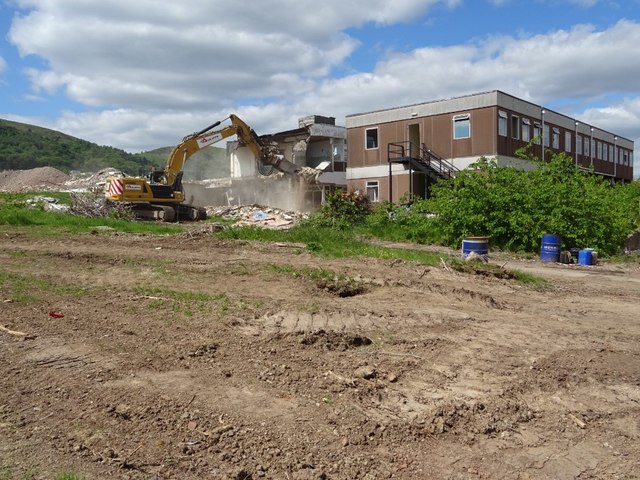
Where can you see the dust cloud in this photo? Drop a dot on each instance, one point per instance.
(282, 192)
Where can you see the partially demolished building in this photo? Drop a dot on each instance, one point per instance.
(317, 146)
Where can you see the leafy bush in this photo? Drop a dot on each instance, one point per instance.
(404, 222)
(341, 210)
(515, 208)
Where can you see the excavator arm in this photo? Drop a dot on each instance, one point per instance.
(262, 150)
(162, 197)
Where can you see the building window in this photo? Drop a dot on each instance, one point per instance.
(502, 123)
(515, 127)
(371, 138)
(616, 153)
(599, 156)
(611, 158)
(545, 135)
(605, 150)
(536, 132)
(593, 147)
(461, 127)
(526, 129)
(579, 144)
(625, 157)
(556, 138)
(373, 191)
(586, 146)
(567, 141)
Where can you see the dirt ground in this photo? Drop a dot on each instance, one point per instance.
(187, 357)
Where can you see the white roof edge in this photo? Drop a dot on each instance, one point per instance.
(493, 98)
(436, 107)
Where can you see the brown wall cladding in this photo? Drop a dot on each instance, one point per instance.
(436, 132)
(400, 186)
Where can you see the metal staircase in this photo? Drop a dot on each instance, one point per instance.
(422, 159)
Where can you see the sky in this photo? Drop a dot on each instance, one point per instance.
(142, 74)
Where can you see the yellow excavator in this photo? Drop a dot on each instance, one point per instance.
(159, 195)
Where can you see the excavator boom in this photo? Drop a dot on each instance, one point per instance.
(163, 191)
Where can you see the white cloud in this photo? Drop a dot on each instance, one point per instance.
(196, 53)
(585, 3)
(622, 118)
(580, 63)
(139, 130)
(162, 69)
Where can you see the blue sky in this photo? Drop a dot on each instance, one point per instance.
(139, 75)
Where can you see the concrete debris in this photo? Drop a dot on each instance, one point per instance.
(48, 204)
(477, 257)
(93, 182)
(310, 175)
(257, 215)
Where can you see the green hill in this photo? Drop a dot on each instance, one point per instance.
(24, 146)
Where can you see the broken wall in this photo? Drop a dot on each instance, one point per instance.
(241, 160)
(277, 191)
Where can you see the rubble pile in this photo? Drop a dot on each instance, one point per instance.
(257, 215)
(49, 179)
(42, 179)
(93, 182)
(310, 175)
(94, 205)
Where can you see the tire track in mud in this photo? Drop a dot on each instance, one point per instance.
(289, 321)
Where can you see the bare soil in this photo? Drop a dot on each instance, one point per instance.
(35, 179)
(188, 357)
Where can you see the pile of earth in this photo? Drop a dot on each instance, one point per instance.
(36, 179)
(49, 179)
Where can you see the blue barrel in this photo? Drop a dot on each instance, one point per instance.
(478, 245)
(550, 248)
(585, 257)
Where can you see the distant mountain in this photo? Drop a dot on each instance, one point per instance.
(24, 146)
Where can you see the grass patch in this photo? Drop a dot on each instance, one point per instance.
(627, 259)
(329, 242)
(19, 254)
(15, 213)
(52, 223)
(337, 243)
(313, 273)
(20, 198)
(30, 289)
(178, 295)
(531, 280)
(325, 279)
(69, 476)
(189, 303)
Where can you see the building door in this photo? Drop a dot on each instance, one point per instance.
(414, 139)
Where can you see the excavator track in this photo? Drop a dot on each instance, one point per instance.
(169, 213)
(163, 213)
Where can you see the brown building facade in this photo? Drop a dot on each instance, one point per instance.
(454, 133)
